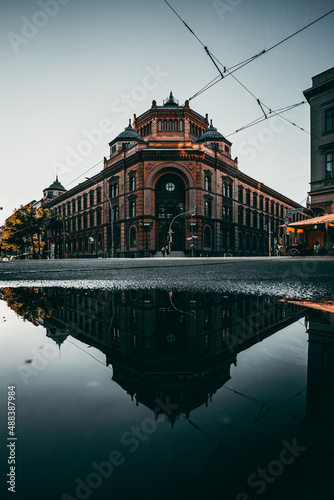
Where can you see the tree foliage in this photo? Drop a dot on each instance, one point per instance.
(24, 228)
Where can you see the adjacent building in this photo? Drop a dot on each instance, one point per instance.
(321, 99)
(170, 180)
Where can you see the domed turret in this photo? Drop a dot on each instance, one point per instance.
(129, 134)
(211, 135)
(55, 189)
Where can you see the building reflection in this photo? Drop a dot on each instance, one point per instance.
(320, 374)
(169, 351)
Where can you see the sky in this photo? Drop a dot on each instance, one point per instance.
(75, 71)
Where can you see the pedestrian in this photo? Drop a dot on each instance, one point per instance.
(167, 250)
(316, 248)
(163, 251)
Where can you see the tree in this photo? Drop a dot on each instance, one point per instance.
(24, 228)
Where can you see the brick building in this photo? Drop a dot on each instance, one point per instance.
(170, 169)
(321, 99)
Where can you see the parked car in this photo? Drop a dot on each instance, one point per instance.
(295, 250)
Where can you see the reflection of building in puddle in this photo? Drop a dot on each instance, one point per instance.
(165, 347)
(319, 420)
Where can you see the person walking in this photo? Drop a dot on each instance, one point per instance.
(163, 250)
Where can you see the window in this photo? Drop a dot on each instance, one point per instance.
(113, 149)
(248, 217)
(68, 208)
(329, 120)
(79, 222)
(329, 166)
(267, 205)
(170, 186)
(132, 183)
(133, 237)
(91, 219)
(73, 206)
(208, 208)
(207, 237)
(241, 195)
(98, 217)
(170, 124)
(115, 212)
(229, 190)
(208, 183)
(91, 198)
(98, 195)
(85, 220)
(73, 224)
(272, 207)
(181, 125)
(224, 189)
(248, 197)
(255, 200)
(85, 200)
(79, 203)
(261, 203)
(261, 221)
(159, 125)
(165, 124)
(132, 208)
(255, 220)
(240, 216)
(175, 125)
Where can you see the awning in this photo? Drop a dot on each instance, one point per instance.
(313, 222)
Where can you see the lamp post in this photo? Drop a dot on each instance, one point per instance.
(111, 215)
(193, 212)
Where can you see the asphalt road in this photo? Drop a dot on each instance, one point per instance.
(308, 277)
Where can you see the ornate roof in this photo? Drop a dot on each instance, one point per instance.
(56, 186)
(211, 134)
(129, 134)
(171, 102)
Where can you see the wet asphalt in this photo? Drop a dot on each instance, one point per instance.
(307, 277)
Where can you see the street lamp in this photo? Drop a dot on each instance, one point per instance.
(193, 212)
(111, 215)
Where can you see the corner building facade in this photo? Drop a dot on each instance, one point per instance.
(170, 169)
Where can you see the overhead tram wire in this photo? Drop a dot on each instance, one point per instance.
(90, 168)
(271, 114)
(236, 67)
(212, 57)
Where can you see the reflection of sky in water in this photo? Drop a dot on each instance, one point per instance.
(72, 414)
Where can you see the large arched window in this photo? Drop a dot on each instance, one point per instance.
(133, 237)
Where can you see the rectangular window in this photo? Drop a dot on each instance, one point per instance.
(207, 183)
(132, 208)
(329, 166)
(79, 204)
(208, 208)
(98, 195)
(329, 120)
(132, 183)
(241, 195)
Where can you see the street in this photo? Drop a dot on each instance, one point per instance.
(306, 277)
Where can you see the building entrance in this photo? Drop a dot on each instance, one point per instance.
(170, 201)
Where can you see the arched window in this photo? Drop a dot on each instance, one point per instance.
(175, 125)
(207, 183)
(224, 189)
(170, 125)
(207, 237)
(181, 125)
(165, 124)
(159, 125)
(133, 237)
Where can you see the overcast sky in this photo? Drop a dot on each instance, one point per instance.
(75, 71)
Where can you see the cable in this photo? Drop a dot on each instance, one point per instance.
(96, 164)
